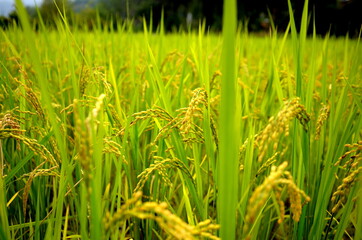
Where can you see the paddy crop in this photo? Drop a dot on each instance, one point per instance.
(110, 134)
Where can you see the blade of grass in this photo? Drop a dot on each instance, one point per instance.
(43, 83)
(359, 216)
(4, 225)
(228, 128)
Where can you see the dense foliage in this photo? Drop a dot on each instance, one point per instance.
(118, 134)
(338, 17)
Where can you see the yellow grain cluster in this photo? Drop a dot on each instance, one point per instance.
(352, 161)
(174, 226)
(7, 125)
(214, 83)
(354, 155)
(286, 77)
(323, 116)
(94, 76)
(193, 66)
(9, 122)
(161, 165)
(194, 110)
(32, 98)
(86, 102)
(279, 125)
(267, 164)
(186, 122)
(110, 146)
(274, 183)
(174, 54)
(37, 172)
(10, 128)
(32, 144)
(83, 146)
(343, 189)
(156, 112)
(116, 118)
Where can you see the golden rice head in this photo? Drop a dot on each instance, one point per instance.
(183, 122)
(83, 146)
(10, 128)
(189, 118)
(260, 195)
(36, 173)
(169, 57)
(343, 190)
(273, 183)
(279, 124)
(160, 166)
(323, 116)
(278, 196)
(352, 156)
(156, 112)
(9, 121)
(295, 196)
(32, 98)
(193, 67)
(171, 224)
(84, 139)
(38, 149)
(352, 159)
(94, 76)
(267, 164)
(115, 116)
(159, 114)
(194, 110)
(214, 83)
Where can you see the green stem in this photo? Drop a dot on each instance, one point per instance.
(228, 127)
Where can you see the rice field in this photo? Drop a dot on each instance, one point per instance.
(110, 134)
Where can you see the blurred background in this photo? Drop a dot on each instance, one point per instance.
(338, 17)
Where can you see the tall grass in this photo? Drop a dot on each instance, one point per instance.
(228, 128)
(189, 135)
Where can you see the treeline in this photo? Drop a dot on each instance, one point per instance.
(338, 17)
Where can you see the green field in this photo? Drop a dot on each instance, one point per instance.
(192, 135)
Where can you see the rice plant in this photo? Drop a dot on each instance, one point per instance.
(189, 135)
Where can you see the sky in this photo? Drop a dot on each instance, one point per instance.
(7, 6)
(26, 2)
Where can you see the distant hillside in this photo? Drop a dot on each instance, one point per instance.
(79, 5)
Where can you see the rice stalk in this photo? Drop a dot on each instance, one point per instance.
(32, 144)
(353, 169)
(279, 125)
(323, 116)
(273, 184)
(184, 122)
(160, 166)
(175, 227)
